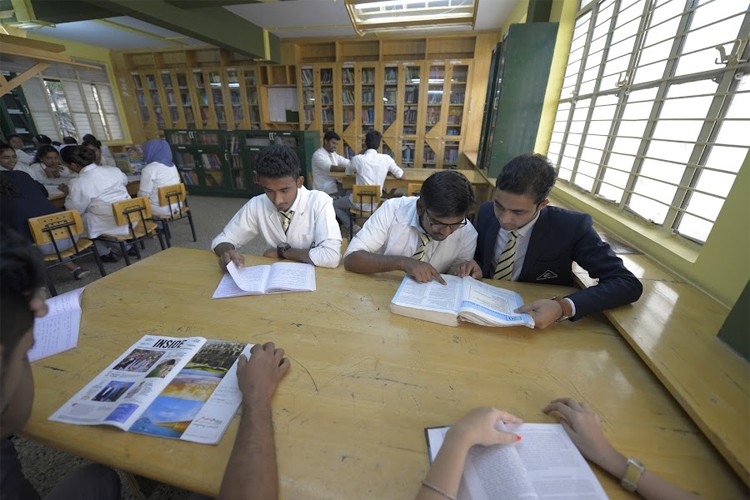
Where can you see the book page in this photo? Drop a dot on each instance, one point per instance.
(228, 288)
(200, 401)
(490, 305)
(123, 390)
(58, 330)
(250, 279)
(291, 277)
(431, 296)
(554, 465)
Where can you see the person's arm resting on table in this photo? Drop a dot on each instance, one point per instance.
(251, 471)
(242, 228)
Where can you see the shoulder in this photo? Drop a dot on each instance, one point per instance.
(557, 215)
(313, 197)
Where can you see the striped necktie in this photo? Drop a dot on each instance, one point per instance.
(504, 267)
(424, 239)
(286, 219)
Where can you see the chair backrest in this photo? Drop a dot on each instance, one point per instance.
(173, 194)
(413, 188)
(366, 193)
(56, 227)
(131, 211)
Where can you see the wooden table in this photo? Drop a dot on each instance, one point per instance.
(350, 414)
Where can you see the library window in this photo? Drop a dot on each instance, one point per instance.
(654, 110)
(72, 102)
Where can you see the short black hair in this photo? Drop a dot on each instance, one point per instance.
(88, 138)
(447, 193)
(277, 161)
(372, 139)
(529, 174)
(11, 136)
(4, 146)
(21, 274)
(43, 150)
(93, 142)
(331, 135)
(80, 155)
(69, 140)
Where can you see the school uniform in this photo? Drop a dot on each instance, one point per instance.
(154, 176)
(92, 194)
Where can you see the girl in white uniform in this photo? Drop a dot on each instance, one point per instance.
(158, 172)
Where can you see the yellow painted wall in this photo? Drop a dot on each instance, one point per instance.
(102, 56)
(720, 267)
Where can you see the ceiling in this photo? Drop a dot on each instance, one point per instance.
(283, 18)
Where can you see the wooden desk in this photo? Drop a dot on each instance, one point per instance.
(350, 414)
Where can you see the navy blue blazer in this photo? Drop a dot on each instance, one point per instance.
(560, 237)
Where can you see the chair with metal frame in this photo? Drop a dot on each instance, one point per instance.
(413, 188)
(57, 235)
(363, 195)
(136, 214)
(174, 196)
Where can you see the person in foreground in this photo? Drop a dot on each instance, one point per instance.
(522, 238)
(582, 425)
(422, 236)
(296, 224)
(21, 279)
(251, 471)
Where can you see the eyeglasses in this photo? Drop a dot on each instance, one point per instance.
(442, 225)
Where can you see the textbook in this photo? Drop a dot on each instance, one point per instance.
(543, 464)
(181, 388)
(464, 299)
(279, 277)
(57, 331)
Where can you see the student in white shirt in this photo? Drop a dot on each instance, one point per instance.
(158, 172)
(371, 168)
(324, 161)
(92, 194)
(106, 155)
(311, 235)
(46, 167)
(24, 158)
(422, 236)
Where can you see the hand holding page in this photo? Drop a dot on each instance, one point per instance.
(58, 330)
(459, 299)
(259, 280)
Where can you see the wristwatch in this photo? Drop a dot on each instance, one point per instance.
(567, 309)
(281, 248)
(633, 471)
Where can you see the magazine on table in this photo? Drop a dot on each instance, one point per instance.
(181, 388)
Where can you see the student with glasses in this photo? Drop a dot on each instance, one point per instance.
(422, 236)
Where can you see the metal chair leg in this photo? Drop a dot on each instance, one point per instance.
(125, 252)
(192, 226)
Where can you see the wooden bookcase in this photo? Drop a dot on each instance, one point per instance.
(425, 95)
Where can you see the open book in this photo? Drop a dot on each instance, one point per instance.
(182, 388)
(460, 299)
(57, 331)
(544, 464)
(279, 277)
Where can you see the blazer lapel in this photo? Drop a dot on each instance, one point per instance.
(489, 244)
(535, 244)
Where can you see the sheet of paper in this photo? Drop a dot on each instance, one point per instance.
(58, 330)
(431, 296)
(228, 288)
(291, 276)
(250, 279)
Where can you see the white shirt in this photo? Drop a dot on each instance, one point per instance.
(92, 194)
(313, 226)
(154, 176)
(321, 166)
(24, 158)
(36, 171)
(372, 168)
(394, 230)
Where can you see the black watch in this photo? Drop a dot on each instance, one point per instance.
(281, 248)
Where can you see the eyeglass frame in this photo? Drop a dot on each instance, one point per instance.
(439, 226)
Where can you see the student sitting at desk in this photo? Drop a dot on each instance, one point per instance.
(158, 172)
(523, 239)
(422, 236)
(24, 158)
(21, 280)
(371, 168)
(46, 165)
(296, 224)
(477, 428)
(324, 161)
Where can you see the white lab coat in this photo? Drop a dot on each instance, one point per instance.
(154, 176)
(92, 193)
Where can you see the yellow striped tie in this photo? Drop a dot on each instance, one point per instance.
(423, 240)
(286, 219)
(504, 267)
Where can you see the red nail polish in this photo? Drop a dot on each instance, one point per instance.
(518, 438)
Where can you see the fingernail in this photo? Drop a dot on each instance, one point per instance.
(518, 438)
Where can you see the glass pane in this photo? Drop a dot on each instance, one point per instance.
(616, 178)
(734, 133)
(633, 128)
(686, 107)
(694, 227)
(718, 183)
(662, 170)
(726, 158)
(705, 205)
(648, 209)
(666, 150)
(584, 182)
(609, 192)
(620, 162)
(682, 130)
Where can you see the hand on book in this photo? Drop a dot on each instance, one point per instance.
(544, 312)
(228, 256)
(421, 272)
(479, 426)
(468, 268)
(259, 376)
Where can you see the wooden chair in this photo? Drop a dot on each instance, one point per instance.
(174, 196)
(363, 194)
(136, 214)
(413, 188)
(60, 232)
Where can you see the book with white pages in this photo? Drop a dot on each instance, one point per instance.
(460, 299)
(57, 331)
(543, 464)
(280, 277)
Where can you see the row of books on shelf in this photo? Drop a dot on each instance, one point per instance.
(347, 76)
(347, 96)
(432, 116)
(411, 95)
(457, 97)
(368, 116)
(306, 76)
(410, 116)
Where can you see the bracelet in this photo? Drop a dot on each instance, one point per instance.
(437, 490)
(633, 471)
(567, 310)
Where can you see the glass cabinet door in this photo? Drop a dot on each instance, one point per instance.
(217, 97)
(185, 163)
(429, 156)
(140, 95)
(170, 95)
(237, 178)
(251, 93)
(209, 158)
(153, 93)
(186, 100)
(347, 96)
(408, 153)
(367, 94)
(411, 99)
(200, 89)
(450, 154)
(390, 96)
(435, 85)
(307, 83)
(459, 76)
(235, 98)
(327, 101)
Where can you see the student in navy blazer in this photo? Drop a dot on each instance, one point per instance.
(550, 239)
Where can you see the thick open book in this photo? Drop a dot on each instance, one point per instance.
(279, 277)
(544, 464)
(182, 388)
(460, 299)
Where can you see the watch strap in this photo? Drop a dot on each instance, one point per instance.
(567, 309)
(633, 471)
